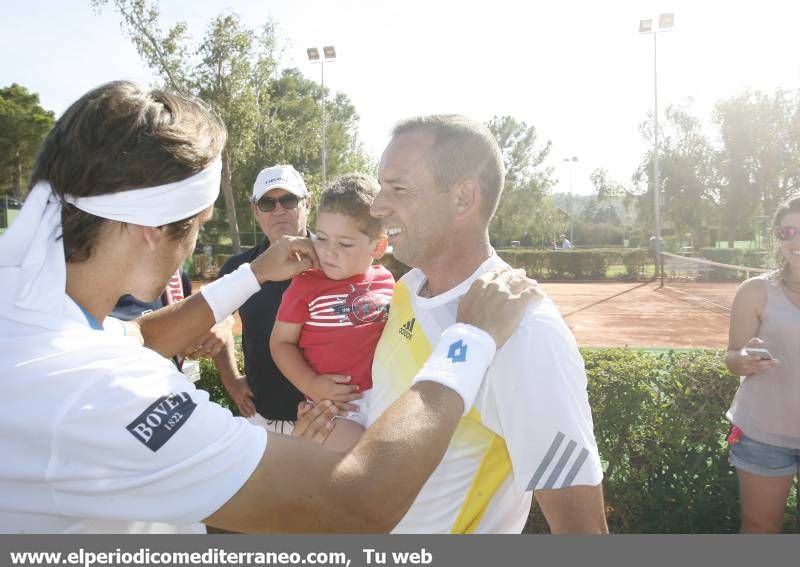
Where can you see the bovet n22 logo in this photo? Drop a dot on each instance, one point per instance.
(162, 419)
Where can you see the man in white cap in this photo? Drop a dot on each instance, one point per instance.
(280, 203)
(101, 434)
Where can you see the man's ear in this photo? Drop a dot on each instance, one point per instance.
(152, 236)
(380, 247)
(466, 197)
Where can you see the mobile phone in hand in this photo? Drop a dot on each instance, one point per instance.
(761, 353)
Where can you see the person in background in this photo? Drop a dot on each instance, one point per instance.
(765, 413)
(179, 287)
(565, 243)
(280, 203)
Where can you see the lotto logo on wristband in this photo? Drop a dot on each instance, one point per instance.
(457, 352)
(162, 419)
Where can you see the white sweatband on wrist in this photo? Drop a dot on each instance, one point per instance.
(228, 293)
(460, 361)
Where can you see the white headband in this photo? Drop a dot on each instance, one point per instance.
(156, 206)
(33, 271)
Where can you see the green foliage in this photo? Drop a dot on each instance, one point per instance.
(758, 161)
(723, 255)
(725, 184)
(272, 117)
(523, 207)
(660, 428)
(210, 382)
(686, 173)
(735, 256)
(635, 260)
(602, 233)
(577, 264)
(23, 126)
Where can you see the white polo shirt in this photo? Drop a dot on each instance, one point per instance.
(101, 435)
(529, 429)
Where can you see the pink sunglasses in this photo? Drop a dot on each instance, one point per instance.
(786, 232)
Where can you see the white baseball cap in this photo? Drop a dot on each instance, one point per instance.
(279, 177)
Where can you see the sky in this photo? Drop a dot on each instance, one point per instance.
(577, 70)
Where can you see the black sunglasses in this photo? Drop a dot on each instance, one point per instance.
(786, 232)
(267, 204)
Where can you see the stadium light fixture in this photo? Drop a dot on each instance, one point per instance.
(329, 53)
(665, 23)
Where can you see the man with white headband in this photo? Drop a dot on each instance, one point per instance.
(101, 434)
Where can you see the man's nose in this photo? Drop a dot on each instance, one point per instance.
(378, 209)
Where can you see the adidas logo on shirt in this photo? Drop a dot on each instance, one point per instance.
(407, 329)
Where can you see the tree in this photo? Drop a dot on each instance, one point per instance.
(23, 126)
(235, 70)
(522, 208)
(759, 158)
(291, 131)
(686, 189)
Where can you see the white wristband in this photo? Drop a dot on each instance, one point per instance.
(227, 294)
(460, 361)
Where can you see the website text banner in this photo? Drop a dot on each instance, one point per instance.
(394, 551)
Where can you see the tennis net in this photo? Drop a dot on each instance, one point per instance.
(704, 283)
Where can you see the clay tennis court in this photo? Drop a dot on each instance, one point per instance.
(640, 314)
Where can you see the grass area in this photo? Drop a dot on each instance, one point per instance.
(618, 271)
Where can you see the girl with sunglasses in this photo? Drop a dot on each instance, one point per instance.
(765, 413)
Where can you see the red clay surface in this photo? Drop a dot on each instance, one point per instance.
(639, 314)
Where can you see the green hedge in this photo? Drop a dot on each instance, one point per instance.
(577, 264)
(551, 264)
(752, 258)
(660, 427)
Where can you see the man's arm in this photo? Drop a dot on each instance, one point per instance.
(300, 486)
(574, 510)
(235, 384)
(194, 316)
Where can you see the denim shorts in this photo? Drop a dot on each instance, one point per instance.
(762, 459)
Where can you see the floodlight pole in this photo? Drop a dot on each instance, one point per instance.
(656, 172)
(665, 24)
(329, 55)
(571, 160)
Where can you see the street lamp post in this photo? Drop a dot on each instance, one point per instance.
(570, 161)
(329, 55)
(665, 23)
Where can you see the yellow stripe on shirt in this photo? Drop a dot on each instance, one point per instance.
(492, 472)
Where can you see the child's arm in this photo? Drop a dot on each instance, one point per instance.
(284, 344)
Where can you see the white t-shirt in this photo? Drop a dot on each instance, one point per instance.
(530, 428)
(102, 435)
